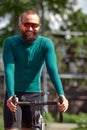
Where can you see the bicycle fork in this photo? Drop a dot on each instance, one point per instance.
(39, 121)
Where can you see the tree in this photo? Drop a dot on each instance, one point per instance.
(14, 8)
(76, 21)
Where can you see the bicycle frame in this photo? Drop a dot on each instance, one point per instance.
(39, 122)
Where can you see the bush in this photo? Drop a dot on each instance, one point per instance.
(79, 129)
(67, 118)
(1, 118)
(82, 120)
(48, 117)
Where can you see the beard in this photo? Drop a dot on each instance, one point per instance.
(29, 36)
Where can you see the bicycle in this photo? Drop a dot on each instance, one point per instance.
(38, 121)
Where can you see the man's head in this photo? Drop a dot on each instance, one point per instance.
(29, 23)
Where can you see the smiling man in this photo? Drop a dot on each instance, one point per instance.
(24, 56)
(29, 25)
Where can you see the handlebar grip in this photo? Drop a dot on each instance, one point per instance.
(14, 116)
(60, 99)
(61, 113)
(14, 99)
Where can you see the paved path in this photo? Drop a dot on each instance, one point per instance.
(61, 126)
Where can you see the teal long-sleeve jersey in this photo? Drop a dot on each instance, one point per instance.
(23, 63)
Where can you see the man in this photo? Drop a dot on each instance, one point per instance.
(23, 57)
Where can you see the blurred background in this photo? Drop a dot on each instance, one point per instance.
(65, 22)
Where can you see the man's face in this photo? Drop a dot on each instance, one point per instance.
(30, 27)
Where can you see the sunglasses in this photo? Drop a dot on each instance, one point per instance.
(32, 25)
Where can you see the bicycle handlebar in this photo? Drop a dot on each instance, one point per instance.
(38, 103)
(34, 103)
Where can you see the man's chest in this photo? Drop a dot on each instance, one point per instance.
(32, 54)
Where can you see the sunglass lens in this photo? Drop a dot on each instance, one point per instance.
(28, 25)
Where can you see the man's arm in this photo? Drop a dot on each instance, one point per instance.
(51, 64)
(8, 60)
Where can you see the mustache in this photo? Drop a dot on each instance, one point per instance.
(29, 31)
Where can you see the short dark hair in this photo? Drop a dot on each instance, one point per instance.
(28, 12)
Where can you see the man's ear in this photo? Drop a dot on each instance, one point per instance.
(20, 26)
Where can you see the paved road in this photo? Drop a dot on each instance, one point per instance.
(61, 126)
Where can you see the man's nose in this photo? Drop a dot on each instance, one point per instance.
(30, 28)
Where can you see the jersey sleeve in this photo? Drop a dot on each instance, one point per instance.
(51, 64)
(8, 60)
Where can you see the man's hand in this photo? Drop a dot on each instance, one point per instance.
(64, 105)
(11, 105)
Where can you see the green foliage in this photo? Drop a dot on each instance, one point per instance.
(1, 123)
(78, 40)
(80, 119)
(48, 116)
(72, 52)
(14, 8)
(79, 129)
(57, 6)
(1, 118)
(67, 118)
(81, 25)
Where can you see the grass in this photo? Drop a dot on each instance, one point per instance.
(79, 129)
(1, 118)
